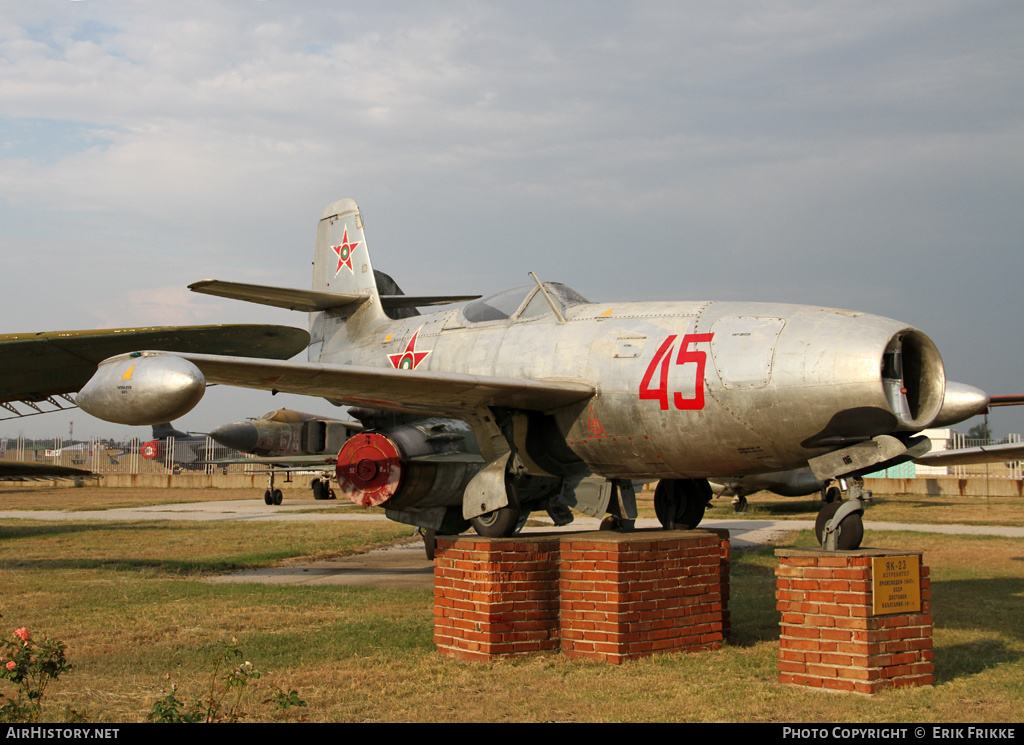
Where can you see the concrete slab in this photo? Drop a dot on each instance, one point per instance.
(402, 567)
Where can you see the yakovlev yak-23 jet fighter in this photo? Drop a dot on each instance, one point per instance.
(535, 399)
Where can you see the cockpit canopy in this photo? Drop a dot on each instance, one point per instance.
(506, 304)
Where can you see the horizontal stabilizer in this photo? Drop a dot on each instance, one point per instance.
(311, 301)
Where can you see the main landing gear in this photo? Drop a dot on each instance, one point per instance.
(322, 489)
(680, 503)
(840, 525)
(272, 496)
(497, 523)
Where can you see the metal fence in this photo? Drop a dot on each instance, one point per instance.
(132, 456)
(199, 455)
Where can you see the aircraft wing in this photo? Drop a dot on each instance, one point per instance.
(970, 456)
(281, 461)
(42, 366)
(17, 470)
(412, 391)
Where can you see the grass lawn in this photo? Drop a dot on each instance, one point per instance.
(131, 602)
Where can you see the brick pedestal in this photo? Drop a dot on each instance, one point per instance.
(604, 595)
(830, 635)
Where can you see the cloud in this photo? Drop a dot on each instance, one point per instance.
(857, 155)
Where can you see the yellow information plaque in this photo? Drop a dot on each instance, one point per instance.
(896, 584)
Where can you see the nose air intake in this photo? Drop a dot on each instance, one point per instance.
(913, 379)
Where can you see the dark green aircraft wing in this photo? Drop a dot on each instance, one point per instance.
(36, 367)
(12, 469)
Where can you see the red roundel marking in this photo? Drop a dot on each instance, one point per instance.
(344, 252)
(369, 469)
(151, 450)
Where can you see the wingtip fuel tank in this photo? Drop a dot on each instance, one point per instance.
(142, 388)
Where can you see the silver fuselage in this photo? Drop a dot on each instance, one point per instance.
(683, 389)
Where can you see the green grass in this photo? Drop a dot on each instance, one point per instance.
(132, 605)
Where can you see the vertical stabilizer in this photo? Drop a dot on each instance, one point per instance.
(341, 263)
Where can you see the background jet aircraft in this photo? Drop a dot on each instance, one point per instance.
(288, 441)
(176, 448)
(569, 402)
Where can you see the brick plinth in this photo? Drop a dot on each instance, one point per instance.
(830, 636)
(495, 596)
(604, 595)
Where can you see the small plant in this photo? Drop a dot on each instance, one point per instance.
(229, 689)
(30, 665)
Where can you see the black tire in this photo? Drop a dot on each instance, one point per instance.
(680, 503)
(665, 503)
(500, 523)
(698, 496)
(429, 542)
(320, 489)
(851, 529)
(268, 497)
(278, 496)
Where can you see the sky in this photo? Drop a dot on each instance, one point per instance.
(864, 155)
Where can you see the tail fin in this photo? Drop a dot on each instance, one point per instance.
(165, 430)
(341, 264)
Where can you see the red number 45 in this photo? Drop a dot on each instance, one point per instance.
(660, 364)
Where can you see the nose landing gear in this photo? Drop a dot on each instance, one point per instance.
(839, 525)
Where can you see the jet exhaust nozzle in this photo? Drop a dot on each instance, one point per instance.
(142, 388)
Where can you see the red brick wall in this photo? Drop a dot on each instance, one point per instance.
(830, 637)
(605, 595)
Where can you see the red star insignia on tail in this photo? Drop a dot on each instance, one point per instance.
(410, 358)
(344, 252)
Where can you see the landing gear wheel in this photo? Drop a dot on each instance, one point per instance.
(500, 523)
(665, 503)
(851, 529)
(268, 497)
(278, 496)
(680, 503)
(320, 489)
(429, 542)
(739, 504)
